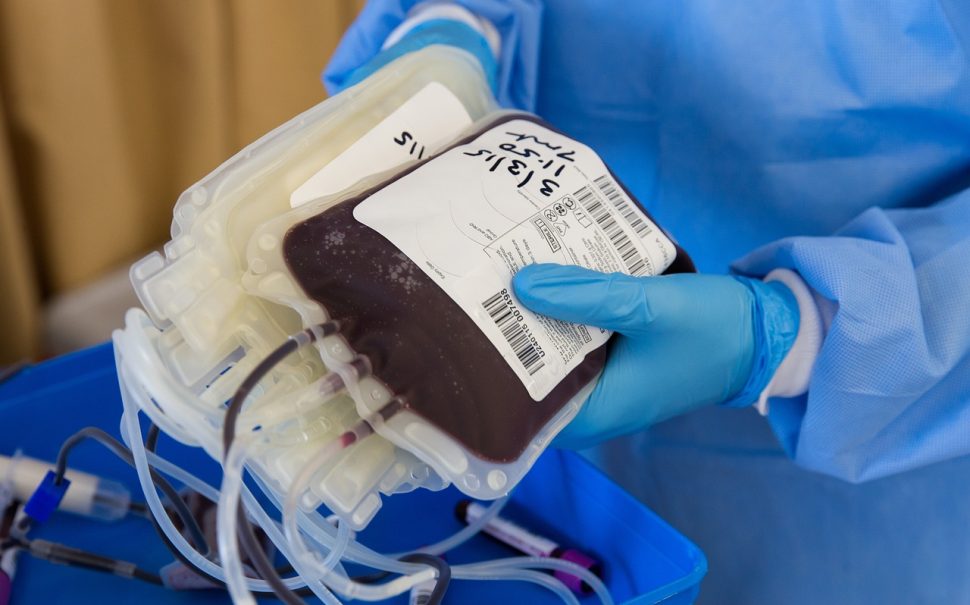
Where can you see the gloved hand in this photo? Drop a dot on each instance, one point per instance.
(504, 36)
(683, 341)
(449, 32)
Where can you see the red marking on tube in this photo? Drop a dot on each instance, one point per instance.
(348, 439)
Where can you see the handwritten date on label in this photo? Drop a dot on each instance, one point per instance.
(532, 155)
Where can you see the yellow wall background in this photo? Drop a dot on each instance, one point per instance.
(110, 108)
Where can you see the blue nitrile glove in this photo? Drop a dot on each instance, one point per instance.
(514, 34)
(682, 341)
(438, 31)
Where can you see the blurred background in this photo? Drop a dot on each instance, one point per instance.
(108, 110)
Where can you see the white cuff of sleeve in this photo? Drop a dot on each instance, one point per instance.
(438, 9)
(792, 376)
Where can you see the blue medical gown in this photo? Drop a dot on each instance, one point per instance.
(833, 138)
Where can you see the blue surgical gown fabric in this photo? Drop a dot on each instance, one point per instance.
(831, 137)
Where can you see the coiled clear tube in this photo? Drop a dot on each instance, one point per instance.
(272, 529)
(226, 518)
(464, 534)
(343, 585)
(131, 432)
(226, 523)
(524, 575)
(543, 563)
(323, 532)
(355, 550)
(337, 552)
(319, 530)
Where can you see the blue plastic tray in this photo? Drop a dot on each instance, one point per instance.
(563, 497)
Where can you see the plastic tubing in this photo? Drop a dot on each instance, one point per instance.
(464, 572)
(132, 434)
(316, 527)
(226, 518)
(226, 523)
(175, 409)
(262, 519)
(193, 430)
(271, 528)
(337, 552)
(544, 563)
(324, 389)
(465, 533)
(303, 556)
(142, 361)
(162, 419)
(508, 569)
(187, 479)
(320, 530)
(297, 488)
(187, 427)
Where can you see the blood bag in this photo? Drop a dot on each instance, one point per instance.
(417, 271)
(399, 210)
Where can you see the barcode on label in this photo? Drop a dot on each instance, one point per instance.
(508, 323)
(619, 201)
(631, 257)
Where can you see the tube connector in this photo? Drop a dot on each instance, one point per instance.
(88, 495)
(46, 498)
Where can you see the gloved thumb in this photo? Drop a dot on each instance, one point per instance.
(613, 301)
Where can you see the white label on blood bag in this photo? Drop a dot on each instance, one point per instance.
(517, 194)
(417, 129)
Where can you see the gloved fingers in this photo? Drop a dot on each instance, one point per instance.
(612, 301)
(598, 420)
(643, 383)
(362, 41)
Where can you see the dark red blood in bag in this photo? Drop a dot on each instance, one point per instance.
(420, 342)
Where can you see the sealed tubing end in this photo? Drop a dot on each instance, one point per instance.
(6, 588)
(574, 583)
(111, 501)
